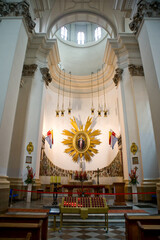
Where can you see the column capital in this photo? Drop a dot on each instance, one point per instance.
(117, 76)
(17, 9)
(46, 75)
(144, 9)
(29, 70)
(136, 70)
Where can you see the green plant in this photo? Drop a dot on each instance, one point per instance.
(30, 175)
(133, 176)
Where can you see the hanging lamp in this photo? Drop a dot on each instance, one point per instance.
(57, 110)
(69, 107)
(92, 108)
(99, 109)
(105, 111)
(62, 110)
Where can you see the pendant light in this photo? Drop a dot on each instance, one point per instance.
(57, 110)
(69, 107)
(105, 108)
(92, 108)
(99, 110)
(62, 111)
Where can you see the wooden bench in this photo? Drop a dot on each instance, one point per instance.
(19, 230)
(132, 227)
(28, 218)
(148, 232)
(28, 237)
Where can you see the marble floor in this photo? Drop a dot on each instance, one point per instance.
(73, 232)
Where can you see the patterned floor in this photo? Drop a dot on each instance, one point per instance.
(115, 232)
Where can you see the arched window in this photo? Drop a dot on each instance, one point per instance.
(64, 33)
(80, 37)
(97, 33)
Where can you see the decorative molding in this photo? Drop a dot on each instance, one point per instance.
(29, 70)
(144, 9)
(136, 70)
(46, 75)
(17, 9)
(114, 169)
(117, 76)
(21, 83)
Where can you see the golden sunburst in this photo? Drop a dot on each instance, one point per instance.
(81, 142)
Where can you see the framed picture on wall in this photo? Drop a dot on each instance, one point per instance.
(28, 159)
(134, 160)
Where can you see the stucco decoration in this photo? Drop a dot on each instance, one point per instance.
(117, 76)
(136, 70)
(115, 169)
(17, 9)
(81, 141)
(46, 75)
(144, 9)
(29, 70)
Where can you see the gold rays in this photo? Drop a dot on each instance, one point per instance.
(81, 142)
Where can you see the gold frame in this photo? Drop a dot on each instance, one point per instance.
(87, 134)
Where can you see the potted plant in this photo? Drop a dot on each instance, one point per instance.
(29, 181)
(134, 181)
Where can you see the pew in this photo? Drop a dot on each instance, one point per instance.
(148, 232)
(28, 218)
(132, 227)
(28, 237)
(19, 230)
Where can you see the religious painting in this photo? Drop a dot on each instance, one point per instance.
(81, 141)
(28, 159)
(135, 160)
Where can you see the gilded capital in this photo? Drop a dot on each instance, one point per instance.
(136, 70)
(117, 76)
(17, 9)
(29, 70)
(46, 75)
(144, 9)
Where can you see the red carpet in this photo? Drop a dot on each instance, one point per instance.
(47, 210)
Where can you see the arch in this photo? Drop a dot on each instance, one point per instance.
(81, 16)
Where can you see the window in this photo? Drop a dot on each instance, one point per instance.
(64, 33)
(80, 37)
(97, 33)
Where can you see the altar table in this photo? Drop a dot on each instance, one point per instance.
(84, 206)
(96, 188)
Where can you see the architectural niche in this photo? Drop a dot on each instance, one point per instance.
(114, 169)
(46, 75)
(144, 9)
(17, 9)
(117, 76)
(136, 70)
(29, 70)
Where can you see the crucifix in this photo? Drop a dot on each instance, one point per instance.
(98, 172)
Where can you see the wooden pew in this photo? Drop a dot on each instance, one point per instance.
(148, 232)
(132, 227)
(28, 218)
(19, 230)
(28, 237)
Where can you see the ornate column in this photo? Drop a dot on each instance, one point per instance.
(127, 52)
(15, 27)
(146, 25)
(146, 134)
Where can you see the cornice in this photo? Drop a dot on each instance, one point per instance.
(17, 9)
(46, 75)
(117, 76)
(136, 70)
(144, 9)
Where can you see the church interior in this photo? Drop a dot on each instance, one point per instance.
(79, 115)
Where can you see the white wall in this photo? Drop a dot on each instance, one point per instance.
(81, 111)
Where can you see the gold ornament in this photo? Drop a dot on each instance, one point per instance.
(134, 148)
(30, 147)
(81, 141)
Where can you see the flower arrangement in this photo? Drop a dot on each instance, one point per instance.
(30, 175)
(133, 176)
(81, 176)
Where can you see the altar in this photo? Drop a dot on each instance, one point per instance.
(76, 182)
(97, 188)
